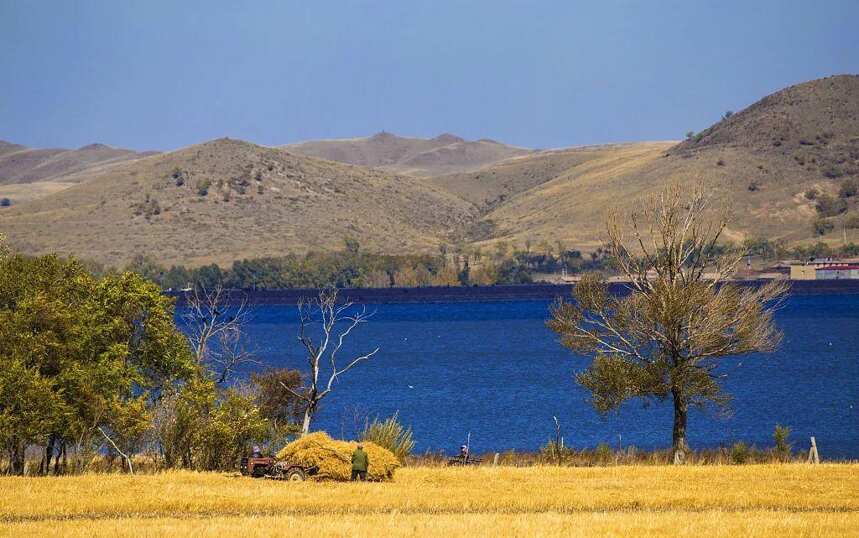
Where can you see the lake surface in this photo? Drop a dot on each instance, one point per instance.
(493, 369)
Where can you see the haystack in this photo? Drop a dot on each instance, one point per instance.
(334, 458)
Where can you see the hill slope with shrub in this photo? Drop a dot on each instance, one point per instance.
(225, 200)
(785, 166)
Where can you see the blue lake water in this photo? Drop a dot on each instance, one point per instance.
(493, 369)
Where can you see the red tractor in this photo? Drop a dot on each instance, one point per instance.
(268, 467)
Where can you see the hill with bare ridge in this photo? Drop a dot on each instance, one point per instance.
(225, 200)
(769, 164)
(443, 154)
(20, 164)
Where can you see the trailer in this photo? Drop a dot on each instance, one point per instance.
(268, 467)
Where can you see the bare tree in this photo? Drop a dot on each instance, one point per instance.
(666, 337)
(336, 321)
(215, 330)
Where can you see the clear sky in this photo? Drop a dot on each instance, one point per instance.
(160, 74)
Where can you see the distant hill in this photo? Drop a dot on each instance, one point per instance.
(20, 164)
(443, 154)
(227, 199)
(759, 163)
(770, 164)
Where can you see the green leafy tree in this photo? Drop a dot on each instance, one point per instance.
(665, 338)
(99, 351)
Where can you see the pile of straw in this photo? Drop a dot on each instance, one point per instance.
(334, 458)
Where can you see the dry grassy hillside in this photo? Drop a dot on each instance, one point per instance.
(20, 164)
(759, 163)
(225, 200)
(771, 164)
(443, 154)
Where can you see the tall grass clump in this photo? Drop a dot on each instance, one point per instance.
(783, 447)
(390, 434)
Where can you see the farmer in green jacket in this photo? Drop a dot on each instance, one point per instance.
(360, 462)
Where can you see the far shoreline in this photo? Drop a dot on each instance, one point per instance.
(496, 293)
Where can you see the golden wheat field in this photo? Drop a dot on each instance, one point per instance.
(761, 500)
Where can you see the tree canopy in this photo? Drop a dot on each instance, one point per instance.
(665, 338)
(80, 356)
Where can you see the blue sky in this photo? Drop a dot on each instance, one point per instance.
(156, 74)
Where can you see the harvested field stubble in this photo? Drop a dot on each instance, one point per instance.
(768, 500)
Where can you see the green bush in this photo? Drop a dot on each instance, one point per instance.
(781, 436)
(823, 227)
(829, 206)
(833, 172)
(740, 452)
(603, 453)
(555, 453)
(390, 434)
(203, 187)
(849, 187)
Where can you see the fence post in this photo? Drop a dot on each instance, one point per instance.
(813, 456)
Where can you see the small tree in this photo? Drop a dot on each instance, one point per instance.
(336, 321)
(666, 337)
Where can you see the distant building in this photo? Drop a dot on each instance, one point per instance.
(824, 269)
(837, 272)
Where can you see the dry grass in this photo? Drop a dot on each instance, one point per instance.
(444, 154)
(260, 202)
(784, 500)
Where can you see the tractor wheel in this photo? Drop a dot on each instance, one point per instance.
(296, 474)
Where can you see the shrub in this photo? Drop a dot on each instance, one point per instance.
(782, 443)
(740, 452)
(203, 187)
(179, 176)
(811, 194)
(852, 222)
(850, 187)
(720, 162)
(556, 453)
(390, 434)
(148, 207)
(829, 206)
(823, 227)
(754, 186)
(603, 453)
(833, 172)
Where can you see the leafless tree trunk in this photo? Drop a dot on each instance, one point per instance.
(216, 330)
(125, 456)
(336, 323)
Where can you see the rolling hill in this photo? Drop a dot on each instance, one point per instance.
(759, 163)
(227, 199)
(20, 164)
(770, 164)
(443, 154)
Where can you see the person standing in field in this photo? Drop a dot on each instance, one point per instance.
(360, 463)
